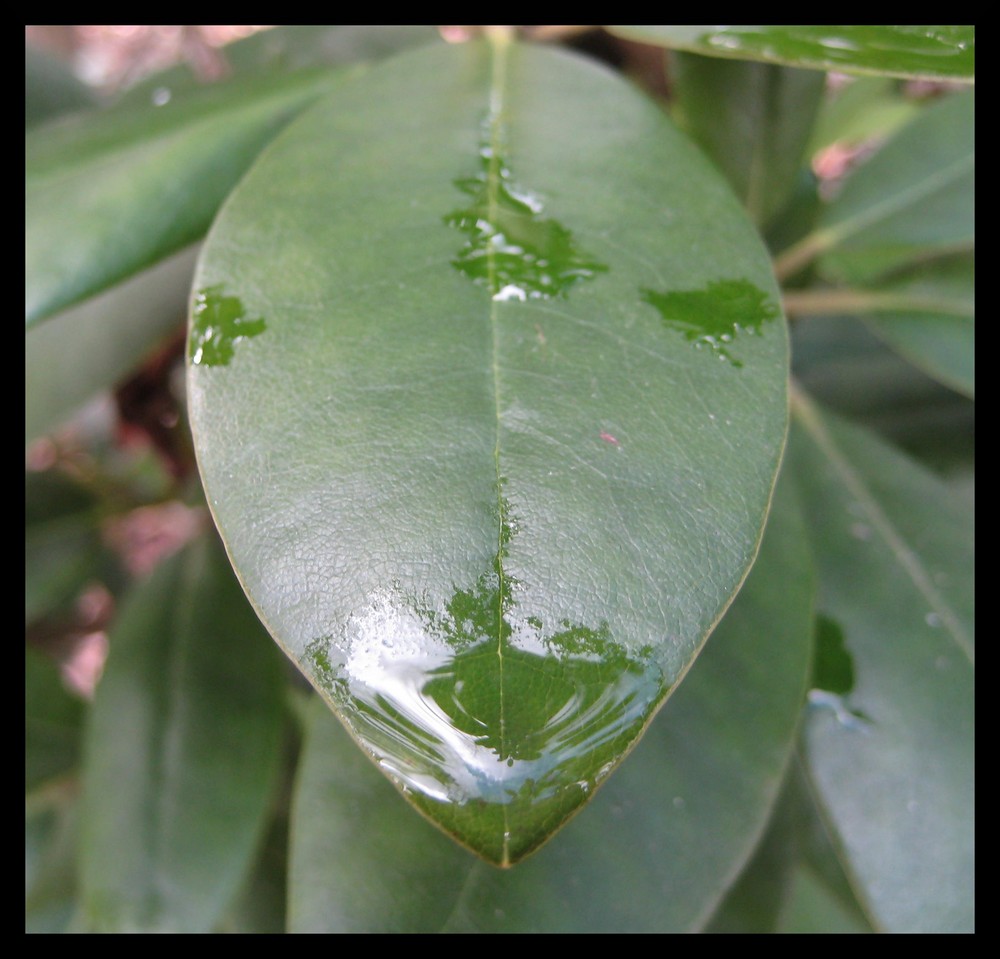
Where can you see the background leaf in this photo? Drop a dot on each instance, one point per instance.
(53, 722)
(913, 199)
(108, 194)
(653, 852)
(538, 455)
(51, 88)
(752, 119)
(71, 357)
(181, 753)
(892, 761)
(943, 52)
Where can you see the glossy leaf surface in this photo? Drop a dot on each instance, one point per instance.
(654, 851)
(489, 425)
(109, 193)
(181, 752)
(943, 52)
(892, 760)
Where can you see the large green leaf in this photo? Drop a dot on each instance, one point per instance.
(487, 384)
(181, 752)
(892, 759)
(942, 52)
(656, 849)
(108, 194)
(752, 119)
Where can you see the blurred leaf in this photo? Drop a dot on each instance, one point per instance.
(941, 52)
(927, 313)
(752, 119)
(181, 753)
(865, 108)
(850, 370)
(653, 852)
(50, 836)
(913, 199)
(53, 722)
(892, 762)
(62, 541)
(813, 908)
(287, 49)
(753, 904)
(91, 347)
(512, 477)
(110, 193)
(51, 88)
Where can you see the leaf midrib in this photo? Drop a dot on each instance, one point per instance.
(499, 44)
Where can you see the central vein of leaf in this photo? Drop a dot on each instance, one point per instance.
(500, 44)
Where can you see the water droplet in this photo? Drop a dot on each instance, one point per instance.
(714, 316)
(160, 96)
(679, 802)
(933, 620)
(218, 323)
(485, 712)
(511, 249)
(848, 718)
(861, 531)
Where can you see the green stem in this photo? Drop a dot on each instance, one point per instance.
(836, 301)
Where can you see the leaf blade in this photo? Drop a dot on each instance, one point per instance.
(522, 391)
(892, 764)
(181, 753)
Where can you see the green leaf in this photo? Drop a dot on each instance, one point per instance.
(814, 909)
(477, 431)
(865, 108)
(936, 52)
(51, 88)
(892, 761)
(71, 357)
(182, 751)
(752, 119)
(109, 194)
(53, 722)
(844, 365)
(62, 541)
(913, 199)
(753, 904)
(925, 312)
(654, 851)
(50, 838)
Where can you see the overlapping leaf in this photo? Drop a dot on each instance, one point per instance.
(181, 752)
(943, 52)
(489, 424)
(892, 757)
